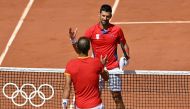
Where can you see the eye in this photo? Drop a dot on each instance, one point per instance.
(103, 15)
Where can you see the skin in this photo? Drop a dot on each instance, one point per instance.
(104, 19)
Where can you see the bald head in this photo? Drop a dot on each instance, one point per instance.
(83, 45)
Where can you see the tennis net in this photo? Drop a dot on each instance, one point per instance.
(42, 88)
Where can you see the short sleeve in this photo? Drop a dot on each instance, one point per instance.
(68, 68)
(88, 33)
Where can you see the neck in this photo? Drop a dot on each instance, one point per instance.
(83, 55)
(104, 26)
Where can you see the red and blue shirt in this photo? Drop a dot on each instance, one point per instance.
(104, 42)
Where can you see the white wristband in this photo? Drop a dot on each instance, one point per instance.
(64, 103)
(73, 41)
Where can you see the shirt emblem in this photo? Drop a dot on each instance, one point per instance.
(97, 36)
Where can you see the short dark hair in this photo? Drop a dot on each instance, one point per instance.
(106, 8)
(83, 45)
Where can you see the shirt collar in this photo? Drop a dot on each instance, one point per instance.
(83, 57)
(109, 27)
(105, 31)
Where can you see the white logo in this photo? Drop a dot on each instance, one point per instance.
(26, 96)
(97, 36)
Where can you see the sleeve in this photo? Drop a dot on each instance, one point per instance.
(88, 33)
(121, 37)
(68, 69)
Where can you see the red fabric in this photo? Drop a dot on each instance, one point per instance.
(85, 77)
(106, 43)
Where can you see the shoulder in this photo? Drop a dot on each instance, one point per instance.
(96, 59)
(115, 27)
(98, 62)
(70, 65)
(71, 62)
(91, 30)
(93, 27)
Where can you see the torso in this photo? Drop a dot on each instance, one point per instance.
(105, 43)
(85, 76)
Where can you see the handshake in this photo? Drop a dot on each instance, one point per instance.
(123, 62)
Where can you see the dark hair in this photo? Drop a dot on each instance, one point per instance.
(106, 7)
(83, 45)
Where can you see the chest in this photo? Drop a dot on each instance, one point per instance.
(104, 38)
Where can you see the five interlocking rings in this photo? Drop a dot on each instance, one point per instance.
(26, 96)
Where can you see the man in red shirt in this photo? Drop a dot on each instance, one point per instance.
(84, 73)
(104, 38)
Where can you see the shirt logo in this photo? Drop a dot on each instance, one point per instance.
(97, 36)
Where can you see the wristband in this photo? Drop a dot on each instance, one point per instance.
(64, 103)
(73, 41)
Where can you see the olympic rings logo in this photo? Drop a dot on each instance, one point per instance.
(26, 96)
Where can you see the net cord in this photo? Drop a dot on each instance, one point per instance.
(62, 70)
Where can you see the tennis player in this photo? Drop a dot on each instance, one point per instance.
(84, 73)
(104, 38)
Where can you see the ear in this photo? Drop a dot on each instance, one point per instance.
(110, 16)
(99, 14)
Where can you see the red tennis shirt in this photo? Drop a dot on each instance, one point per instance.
(84, 74)
(104, 42)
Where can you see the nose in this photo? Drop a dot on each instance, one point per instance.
(105, 18)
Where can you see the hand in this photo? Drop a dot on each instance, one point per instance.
(72, 34)
(104, 60)
(123, 62)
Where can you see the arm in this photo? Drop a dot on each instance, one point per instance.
(123, 44)
(125, 49)
(66, 92)
(104, 73)
(72, 35)
(124, 60)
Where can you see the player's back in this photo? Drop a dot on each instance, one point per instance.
(85, 78)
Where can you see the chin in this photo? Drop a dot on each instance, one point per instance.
(104, 23)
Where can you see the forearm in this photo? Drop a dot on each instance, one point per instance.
(66, 93)
(105, 75)
(126, 52)
(75, 47)
(125, 49)
(73, 39)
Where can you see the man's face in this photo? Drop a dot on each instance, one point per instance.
(105, 17)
